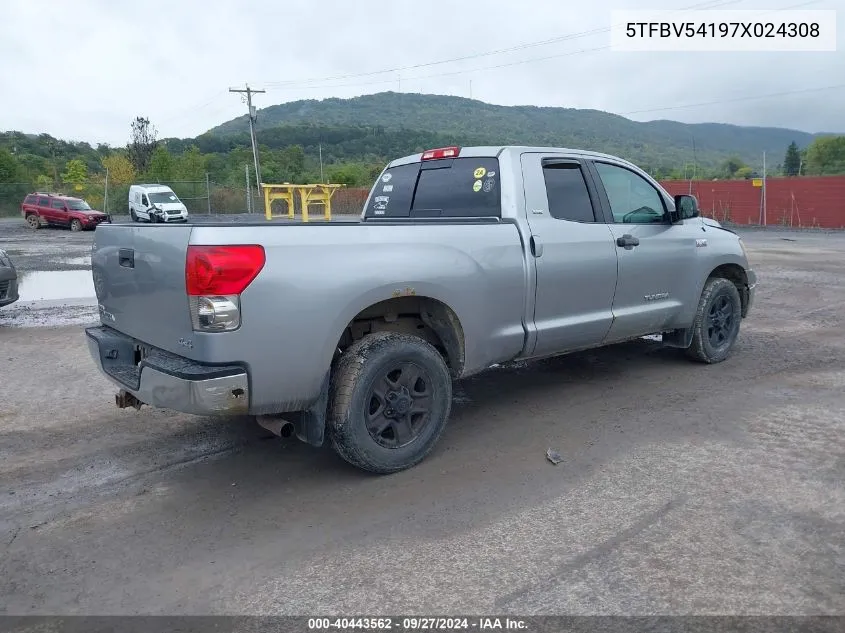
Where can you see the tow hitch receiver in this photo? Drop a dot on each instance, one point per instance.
(123, 399)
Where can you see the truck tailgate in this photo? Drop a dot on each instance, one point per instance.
(139, 278)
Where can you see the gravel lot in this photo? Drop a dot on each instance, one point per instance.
(685, 488)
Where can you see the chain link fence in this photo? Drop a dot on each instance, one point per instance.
(201, 197)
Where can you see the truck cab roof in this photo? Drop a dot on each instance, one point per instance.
(494, 151)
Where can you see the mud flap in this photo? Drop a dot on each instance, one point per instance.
(678, 338)
(310, 425)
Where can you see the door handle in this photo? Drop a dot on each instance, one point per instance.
(627, 241)
(536, 246)
(126, 257)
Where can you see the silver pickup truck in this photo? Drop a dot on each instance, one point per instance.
(352, 332)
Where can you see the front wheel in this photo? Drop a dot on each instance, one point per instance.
(75, 226)
(132, 215)
(717, 320)
(390, 399)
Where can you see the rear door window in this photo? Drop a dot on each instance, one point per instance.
(459, 187)
(569, 198)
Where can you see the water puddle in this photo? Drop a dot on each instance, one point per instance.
(74, 261)
(54, 285)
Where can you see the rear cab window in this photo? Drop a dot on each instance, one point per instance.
(464, 187)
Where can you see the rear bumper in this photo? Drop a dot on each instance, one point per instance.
(167, 218)
(91, 223)
(168, 381)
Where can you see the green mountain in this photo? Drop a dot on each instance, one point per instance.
(409, 122)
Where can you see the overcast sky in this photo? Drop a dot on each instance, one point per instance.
(82, 70)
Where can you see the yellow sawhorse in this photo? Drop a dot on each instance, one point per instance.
(278, 192)
(308, 195)
(319, 195)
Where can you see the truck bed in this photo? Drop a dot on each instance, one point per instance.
(316, 279)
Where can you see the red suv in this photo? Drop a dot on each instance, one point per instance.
(56, 209)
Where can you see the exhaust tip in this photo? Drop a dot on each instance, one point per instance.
(277, 426)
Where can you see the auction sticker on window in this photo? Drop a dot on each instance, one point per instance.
(476, 186)
(479, 173)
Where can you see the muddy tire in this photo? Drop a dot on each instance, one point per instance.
(389, 401)
(717, 321)
(75, 226)
(132, 215)
(33, 221)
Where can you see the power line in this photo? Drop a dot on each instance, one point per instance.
(455, 72)
(733, 100)
(496, 66)
(191, 110)
(562, 38)
(291, 86)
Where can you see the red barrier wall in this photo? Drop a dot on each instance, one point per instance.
(800, 202)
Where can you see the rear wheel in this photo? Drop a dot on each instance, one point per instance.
(391, 395)
(33, 221)
(717, 320)
(75, 225)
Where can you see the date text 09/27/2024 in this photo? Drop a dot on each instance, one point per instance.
(416, 624)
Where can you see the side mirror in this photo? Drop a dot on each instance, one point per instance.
(686, 207)
(65, 208)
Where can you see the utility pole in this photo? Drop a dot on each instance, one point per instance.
(208, 192)
(248, 192)
(252, 112)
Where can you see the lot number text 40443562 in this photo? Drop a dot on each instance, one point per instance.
(404, 624)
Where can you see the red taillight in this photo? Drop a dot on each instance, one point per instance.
(443, 152)
(222, 270)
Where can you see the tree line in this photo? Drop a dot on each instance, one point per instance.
(351, 155)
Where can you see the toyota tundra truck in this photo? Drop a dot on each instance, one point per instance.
(352, 333)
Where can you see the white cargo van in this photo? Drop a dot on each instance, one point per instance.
(155, 203)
